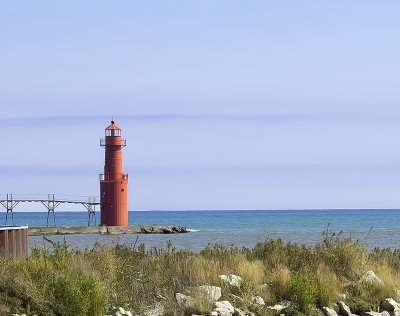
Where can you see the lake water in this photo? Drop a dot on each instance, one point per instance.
(242, 228)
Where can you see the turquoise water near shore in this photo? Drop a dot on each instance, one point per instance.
(242, 228)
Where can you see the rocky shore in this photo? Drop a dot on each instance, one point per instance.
(389, 307)
(110, 230)
(213, 294)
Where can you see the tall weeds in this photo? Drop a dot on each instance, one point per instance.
(55, 280)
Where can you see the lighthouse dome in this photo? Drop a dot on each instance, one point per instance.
(113, 126)
(113, 130)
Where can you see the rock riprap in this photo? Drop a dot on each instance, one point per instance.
(223, 308)
(213, 293)
(328, 311)
(344, 309)
(281, 306)
(384, 313)
(258, 300)
(232, 279)
(119, 311)
(370, 277)
(390, 305)
(184, 300)
(238, 312)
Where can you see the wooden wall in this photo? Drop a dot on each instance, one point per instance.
(14, 242)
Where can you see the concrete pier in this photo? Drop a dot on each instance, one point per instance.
(104, 230)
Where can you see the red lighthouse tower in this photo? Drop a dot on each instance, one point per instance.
(113, 183)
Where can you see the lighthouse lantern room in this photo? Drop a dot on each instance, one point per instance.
(113, 183)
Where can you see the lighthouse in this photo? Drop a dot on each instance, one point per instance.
(113, 183)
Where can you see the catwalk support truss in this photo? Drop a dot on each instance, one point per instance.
(9, 203)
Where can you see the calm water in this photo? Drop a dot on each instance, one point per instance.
(242, 228)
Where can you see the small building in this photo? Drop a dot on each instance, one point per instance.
(14, 241)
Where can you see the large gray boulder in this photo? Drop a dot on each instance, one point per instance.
(344, 309)
(336, 308)
(370, 277)
(238, 312)
(258, 300)
(389, 305)
(328, 311)
(384, 313)
(184, 300)
(213, 293)
(278, 308)
(223, 308)
(119, 311)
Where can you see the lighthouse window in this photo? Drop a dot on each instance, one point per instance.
(113, 132)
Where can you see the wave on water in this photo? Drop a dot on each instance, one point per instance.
(193, 230)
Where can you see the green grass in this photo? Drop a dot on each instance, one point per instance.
(55, 280)
(303, 289)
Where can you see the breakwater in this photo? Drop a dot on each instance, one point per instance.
(105, 230)
(242, 228)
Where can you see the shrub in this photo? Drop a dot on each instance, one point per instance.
(343, 255)
(359, 305)
(74, 296)
(303, 289)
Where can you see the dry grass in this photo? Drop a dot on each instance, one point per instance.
(268, 295)
(279, 278)
(195, 270)
(104, 261)
(389, 277)
(56, 279)
(251, 271)
(328, 285)
(202, 303)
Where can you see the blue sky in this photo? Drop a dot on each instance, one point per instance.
(224, 104)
